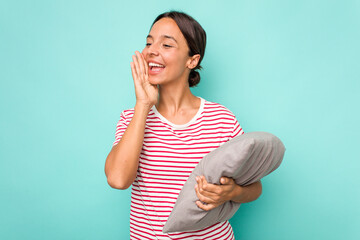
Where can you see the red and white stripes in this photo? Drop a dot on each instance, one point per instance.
(169, 154)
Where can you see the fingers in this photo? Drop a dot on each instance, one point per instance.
(146, 67)
(133, 70)
(140, 61)
(136, 65)
(206, 207)
(208, 187)
(212, 193)
(203, 197)
(205, 203)
(139, 66)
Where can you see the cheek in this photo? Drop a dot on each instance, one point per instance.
(175, 61)
(144, 52)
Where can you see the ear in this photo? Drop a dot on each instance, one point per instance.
(193, 61)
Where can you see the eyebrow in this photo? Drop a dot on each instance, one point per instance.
(164, 36)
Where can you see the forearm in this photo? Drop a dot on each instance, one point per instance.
(123, 160)
(247, 193)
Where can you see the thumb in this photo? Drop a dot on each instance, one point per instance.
(225, 180)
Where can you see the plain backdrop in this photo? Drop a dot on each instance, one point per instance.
(286, 67)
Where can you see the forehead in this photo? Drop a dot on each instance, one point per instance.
(167, 27)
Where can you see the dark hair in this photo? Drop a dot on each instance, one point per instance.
(195, 37)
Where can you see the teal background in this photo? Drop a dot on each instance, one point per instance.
(287, 67)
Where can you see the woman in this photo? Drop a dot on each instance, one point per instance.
(160, 141)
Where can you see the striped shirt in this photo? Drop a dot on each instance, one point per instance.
(169, 154)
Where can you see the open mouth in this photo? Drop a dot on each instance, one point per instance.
(155, 68)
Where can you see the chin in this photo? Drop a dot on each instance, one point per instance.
(155, 80)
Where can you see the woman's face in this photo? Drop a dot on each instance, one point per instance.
(166, 53)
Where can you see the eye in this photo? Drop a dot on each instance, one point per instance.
(167, 46)
(148, 44)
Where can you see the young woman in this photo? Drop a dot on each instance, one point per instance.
(160, 141)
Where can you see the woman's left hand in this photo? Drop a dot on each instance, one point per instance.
(214, 195)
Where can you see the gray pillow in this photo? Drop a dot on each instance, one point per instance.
(246, 158)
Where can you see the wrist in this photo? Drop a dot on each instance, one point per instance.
(236, 194)
(141, 107)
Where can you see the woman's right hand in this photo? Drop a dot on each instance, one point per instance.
(146, 93)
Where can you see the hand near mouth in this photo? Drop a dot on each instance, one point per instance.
(146, 93)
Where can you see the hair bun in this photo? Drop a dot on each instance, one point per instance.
(194, 78)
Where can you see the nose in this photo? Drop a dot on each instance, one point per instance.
(151, 50)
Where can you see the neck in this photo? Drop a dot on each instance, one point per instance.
(175, 98)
